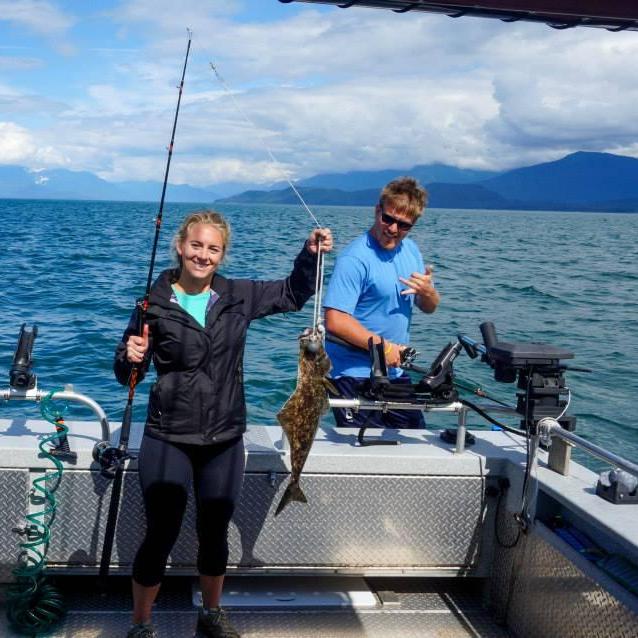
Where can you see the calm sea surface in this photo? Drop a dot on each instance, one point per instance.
(570, 279)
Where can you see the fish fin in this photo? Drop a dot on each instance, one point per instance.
(284, 417)
(330, 387)
(293, 493)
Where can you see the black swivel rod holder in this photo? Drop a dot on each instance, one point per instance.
(21, 376)
(489, 339)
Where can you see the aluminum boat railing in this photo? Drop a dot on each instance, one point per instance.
(548, 429)
(68, 394)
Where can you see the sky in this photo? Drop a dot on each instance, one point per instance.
(92, 86)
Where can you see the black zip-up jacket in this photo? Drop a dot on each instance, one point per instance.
(198, 397)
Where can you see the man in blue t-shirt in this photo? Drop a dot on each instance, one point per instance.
(377, 280)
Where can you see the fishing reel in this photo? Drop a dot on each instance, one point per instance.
(110, 458)
(435, 386)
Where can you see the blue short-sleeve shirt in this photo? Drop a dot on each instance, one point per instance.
(365, 284)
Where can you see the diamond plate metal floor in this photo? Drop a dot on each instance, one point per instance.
(420, 608)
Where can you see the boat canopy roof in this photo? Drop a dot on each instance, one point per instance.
(614, 15)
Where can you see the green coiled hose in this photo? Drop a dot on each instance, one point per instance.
(35, 606)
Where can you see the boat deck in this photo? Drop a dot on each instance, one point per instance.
(396, 540)
(406, 607)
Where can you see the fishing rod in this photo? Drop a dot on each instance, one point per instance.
(275, 161)
(317, 327)
(112, 459)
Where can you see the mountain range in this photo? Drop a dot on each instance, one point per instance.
(364, 180)
(579, 181)
(17, 182)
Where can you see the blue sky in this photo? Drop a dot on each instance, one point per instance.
(91, 86)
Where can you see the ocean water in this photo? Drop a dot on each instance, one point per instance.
(569, 279)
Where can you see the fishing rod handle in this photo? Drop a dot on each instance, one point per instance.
(141, 306)
(126, 426)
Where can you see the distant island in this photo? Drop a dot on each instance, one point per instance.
(582, 181)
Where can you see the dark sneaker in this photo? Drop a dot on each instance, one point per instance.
(142, 630)
(214, 623)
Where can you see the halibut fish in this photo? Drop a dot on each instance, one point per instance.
(300, 415)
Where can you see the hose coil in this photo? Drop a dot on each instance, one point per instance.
(34, 605)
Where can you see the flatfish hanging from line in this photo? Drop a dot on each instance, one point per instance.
(300, 415)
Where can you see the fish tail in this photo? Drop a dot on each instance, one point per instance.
(293, 493)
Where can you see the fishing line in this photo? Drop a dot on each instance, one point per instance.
(474, 388)
(264, 144)
(317, 322)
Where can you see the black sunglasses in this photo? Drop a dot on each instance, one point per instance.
(389, 220)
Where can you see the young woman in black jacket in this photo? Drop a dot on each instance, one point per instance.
(195, 333)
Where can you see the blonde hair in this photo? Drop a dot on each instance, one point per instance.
(406, 196)
(210, 217)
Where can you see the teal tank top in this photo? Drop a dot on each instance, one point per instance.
(195, 305)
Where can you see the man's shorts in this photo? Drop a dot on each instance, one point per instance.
(347, 418)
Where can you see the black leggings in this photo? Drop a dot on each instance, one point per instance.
(166, 471)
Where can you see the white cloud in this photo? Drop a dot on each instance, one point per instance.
(171, 19)
(168, 15)
(20, 147)
(10, 63)
(37, 15)
(17, 144)
(193, 170)
(338, 91)
(576, 91)
(13, 101)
